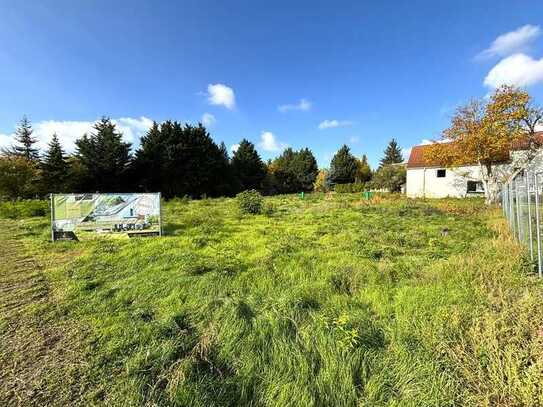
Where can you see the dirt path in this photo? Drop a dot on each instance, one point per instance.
(40, 361)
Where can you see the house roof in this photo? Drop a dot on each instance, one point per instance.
(417, 157)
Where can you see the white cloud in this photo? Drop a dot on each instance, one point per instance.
(221, 95)
(518, 70)
(303, 105)
(406, 152)
(5, 140)
(208, 119)
(234, 147)
(69, 131)
(330, 124)
(354, 139)
(133, 128)
(268, 142)
(512, 42)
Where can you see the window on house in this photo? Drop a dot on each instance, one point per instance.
(475, 187)
(441, 173)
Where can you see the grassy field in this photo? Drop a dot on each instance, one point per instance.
(323, 301)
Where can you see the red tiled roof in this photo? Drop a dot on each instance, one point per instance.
(417, 159)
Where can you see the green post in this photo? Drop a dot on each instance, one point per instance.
(302, 194)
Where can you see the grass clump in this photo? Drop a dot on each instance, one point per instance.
(23, 209)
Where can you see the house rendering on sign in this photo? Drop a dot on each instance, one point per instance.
(430, 180)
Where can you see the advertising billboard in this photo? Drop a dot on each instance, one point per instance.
(76, 216)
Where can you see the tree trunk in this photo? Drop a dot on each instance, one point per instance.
(490, 185)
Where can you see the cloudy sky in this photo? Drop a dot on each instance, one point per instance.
(281, 73)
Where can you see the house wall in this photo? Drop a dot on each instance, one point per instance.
(423, 182)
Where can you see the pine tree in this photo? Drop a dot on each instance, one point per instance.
(104, 157)
(248, 166)
(343, 167)
(25, 141)
(393, 154)
(54, 167)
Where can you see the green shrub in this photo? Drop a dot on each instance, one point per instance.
(350, 188)
(23, 209)
(250, 201)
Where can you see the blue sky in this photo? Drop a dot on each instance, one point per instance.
(271, 72)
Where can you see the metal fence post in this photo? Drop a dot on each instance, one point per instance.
(538, 224)
(511, 197)
(530, 236)
(518, 211)
(503, 203)
(508, 203)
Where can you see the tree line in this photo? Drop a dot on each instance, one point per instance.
(177, 160)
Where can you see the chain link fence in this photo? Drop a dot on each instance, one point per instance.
(522, 199)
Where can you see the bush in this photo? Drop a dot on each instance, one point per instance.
(250, 201)
(390, 177)
(23, 209)
(350, 188)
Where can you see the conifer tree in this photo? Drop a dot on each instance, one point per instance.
(54, 167)
(180, 160)
(393, 154)
(104, 157)
(25, 141)
(148, 161)
(294, 171)
(343, 167)
(248, 166)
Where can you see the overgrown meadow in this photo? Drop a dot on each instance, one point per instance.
(321, 301)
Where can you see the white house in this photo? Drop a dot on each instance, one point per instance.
(428, 179)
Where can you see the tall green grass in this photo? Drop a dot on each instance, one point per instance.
(327, 300)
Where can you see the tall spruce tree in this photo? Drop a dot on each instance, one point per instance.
(343, 167)
(25, 141)
(104, 157)
(54, 167)
(247, 166)
(393, 154)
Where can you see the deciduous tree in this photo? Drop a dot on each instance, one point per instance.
(18, 177)
(363, 171)
(483, 133)
(390, 177)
